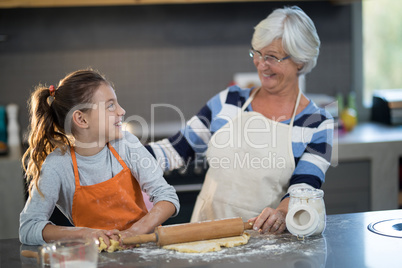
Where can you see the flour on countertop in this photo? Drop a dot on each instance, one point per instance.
(259, 246)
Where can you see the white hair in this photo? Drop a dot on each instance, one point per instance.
(299, 36)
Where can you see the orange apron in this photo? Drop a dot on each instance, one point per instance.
(113, 204)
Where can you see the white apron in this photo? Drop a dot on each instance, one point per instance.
(250, 164)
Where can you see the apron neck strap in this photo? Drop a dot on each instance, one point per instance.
(296, 106)
(118, 157)
(75, 167)
(250, 99)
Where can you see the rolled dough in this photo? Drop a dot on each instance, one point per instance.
(114, 245)
(210, 245)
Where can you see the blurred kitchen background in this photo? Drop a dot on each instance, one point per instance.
(181, 53)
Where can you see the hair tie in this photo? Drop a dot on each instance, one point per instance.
(52, 91)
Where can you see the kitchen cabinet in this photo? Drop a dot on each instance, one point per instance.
(380, 148)
(347, 187)
(78, 3)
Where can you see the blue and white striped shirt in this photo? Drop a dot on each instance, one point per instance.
(312, 136)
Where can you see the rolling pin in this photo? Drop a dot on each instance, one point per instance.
(189, 232)
(35, 255)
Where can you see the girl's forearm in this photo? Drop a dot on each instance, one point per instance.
(160, 212)
(53, 232)
(155, 217)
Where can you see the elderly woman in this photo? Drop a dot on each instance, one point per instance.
(261, 142)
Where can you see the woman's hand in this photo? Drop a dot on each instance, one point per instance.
(272, 220)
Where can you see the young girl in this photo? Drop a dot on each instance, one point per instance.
(81, 161)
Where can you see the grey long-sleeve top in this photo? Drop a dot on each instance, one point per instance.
(57, 183)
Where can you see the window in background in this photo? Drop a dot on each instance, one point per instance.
(382, 43)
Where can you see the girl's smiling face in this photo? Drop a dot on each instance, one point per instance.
(280, 75)
(105, 119)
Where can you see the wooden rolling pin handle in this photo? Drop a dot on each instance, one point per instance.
(189, 232)
(248, 225)
(196, 231)
(34, 254)
(140, 239)
(30, 254)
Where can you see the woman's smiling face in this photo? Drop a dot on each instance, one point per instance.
(279, 76)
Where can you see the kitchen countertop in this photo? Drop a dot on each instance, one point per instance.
(346, 242)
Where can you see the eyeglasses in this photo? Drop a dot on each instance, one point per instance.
(271, 60)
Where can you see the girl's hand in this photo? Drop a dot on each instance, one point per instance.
(106, 235)
(128, 233)
(135, 229)
(159, 213)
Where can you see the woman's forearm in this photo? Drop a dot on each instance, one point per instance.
(284, 205)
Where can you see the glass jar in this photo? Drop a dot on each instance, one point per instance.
(306, 214)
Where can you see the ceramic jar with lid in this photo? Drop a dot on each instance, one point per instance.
(306, 214)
